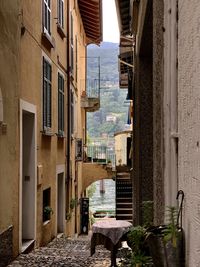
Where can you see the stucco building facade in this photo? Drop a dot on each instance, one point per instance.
(42, 123)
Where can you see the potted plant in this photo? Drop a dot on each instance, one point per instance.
(73, 203)
(166, 242)
(47, 213)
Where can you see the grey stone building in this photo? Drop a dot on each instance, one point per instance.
(165, 90)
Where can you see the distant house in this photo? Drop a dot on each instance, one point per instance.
(111, 118)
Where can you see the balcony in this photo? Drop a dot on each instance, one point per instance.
(99, 163)
(90, 99)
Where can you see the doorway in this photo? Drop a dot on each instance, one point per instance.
(28, 180)
(60, 203)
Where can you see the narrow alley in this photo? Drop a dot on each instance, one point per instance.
(96, 90)
(65, 252)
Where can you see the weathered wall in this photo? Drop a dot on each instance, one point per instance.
(77, 86)
(189, 123)
(158, 50)
(9, 84)
(143, 113)
(6, 246)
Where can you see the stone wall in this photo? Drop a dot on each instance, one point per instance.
(6, 246)
(158, 49)
(189, 123)
(143, 118)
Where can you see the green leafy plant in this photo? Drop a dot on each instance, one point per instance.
(91, 190)
(137, 241)
(140, 259)
(136, 238)
(68, 216)
(48, 210)
(73, 203)
(170, 233)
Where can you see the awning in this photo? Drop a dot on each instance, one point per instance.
(125, 61)
(123, 12)
(91, 14)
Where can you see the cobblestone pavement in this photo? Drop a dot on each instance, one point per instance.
(65, 252)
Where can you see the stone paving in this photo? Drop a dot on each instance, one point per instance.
(66, 253)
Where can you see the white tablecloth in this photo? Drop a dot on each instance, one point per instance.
(113, 229)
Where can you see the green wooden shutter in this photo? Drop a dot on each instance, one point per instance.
(49, 97)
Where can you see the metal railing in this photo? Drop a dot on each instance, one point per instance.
(92, 87)
(100, 154)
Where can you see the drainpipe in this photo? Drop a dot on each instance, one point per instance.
(68, 97)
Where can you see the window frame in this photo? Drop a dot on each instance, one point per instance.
(47, 24)
(72, 111)
(72, 44)
(47, 95)
(60, 13)
(61, 101)
(46, 202)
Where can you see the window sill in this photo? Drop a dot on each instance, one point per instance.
(61, 135)
(48, 40)
(47, 133)
(46, 222)
(60, 31)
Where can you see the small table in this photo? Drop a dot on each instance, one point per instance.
(109, 233)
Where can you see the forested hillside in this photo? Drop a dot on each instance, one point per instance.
(112, 115)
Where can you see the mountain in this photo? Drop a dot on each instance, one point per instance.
(112, 116)
(108, 54)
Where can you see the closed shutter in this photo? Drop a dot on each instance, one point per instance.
(60, 104)
(46, 94)
(72, 113)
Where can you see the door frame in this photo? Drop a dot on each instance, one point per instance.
(60, 169)
(28, 107)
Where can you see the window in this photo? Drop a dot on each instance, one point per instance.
(46, 95)
(72, 113)
(61, 13)
(79, 149)
(72, 46)
(47, 210)
(47, 16)
(60, 104)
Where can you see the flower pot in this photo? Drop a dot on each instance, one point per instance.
(165, 254)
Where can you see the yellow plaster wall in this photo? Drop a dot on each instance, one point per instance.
(9, 145)
(121, 148)
(77, 87)
(93, 172)
(50, 149)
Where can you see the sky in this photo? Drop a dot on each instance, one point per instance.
(110, 24)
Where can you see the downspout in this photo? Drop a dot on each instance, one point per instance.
(68, 98)
(86, 94)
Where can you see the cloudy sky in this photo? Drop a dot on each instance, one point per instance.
(110, 24)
